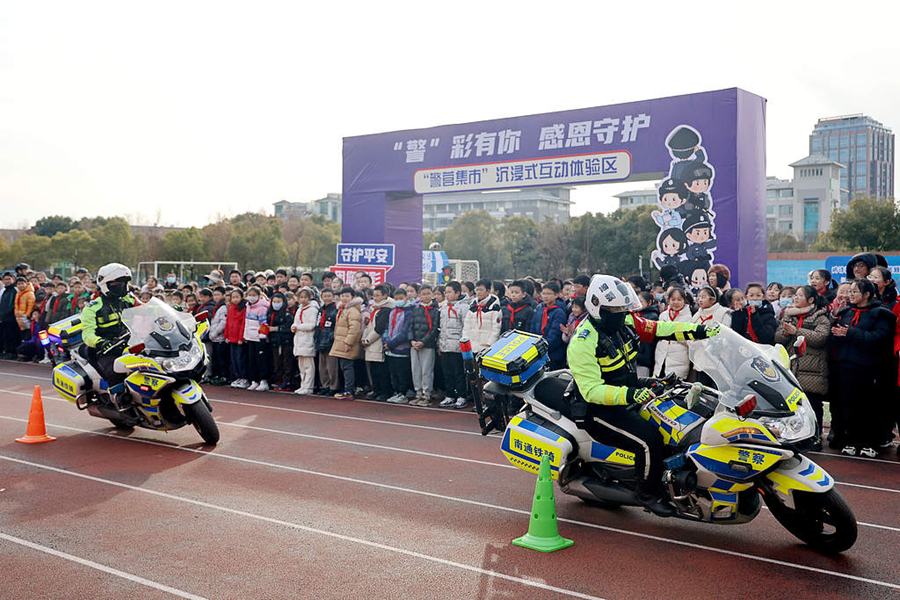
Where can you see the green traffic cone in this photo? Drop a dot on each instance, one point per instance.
(542, 533)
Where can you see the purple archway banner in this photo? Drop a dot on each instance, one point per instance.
(705, 152)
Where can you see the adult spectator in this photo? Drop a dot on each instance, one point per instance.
(9, 328)
(719, 277)
(860, 265)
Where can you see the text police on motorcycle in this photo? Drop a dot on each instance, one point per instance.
(602, 358)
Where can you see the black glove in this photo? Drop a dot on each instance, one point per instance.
(707, 331)
(638, 395)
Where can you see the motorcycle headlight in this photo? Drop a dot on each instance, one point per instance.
(798, 426)
(186, 359)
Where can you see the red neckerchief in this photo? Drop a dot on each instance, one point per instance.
(338, 317)
(428, 310)
(705, 319)
(800, 320)
(671, 316)
(374, 312)
(750, 331)
(301, 311)
(451, 311)
(322, 320)
(856, 313)
(513, 311)
(544, 318)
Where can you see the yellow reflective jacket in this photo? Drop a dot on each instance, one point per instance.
(588, 366)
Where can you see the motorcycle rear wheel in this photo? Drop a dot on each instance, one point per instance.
(198, 415)
(823, 521)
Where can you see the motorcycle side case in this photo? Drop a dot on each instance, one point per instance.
(67, 332)
(526, 442)
(515, 360)
(672, 420)
(71, 381)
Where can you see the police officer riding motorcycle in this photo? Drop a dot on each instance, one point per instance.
(102, 331)
(602, 358)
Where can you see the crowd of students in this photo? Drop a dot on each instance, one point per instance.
(280, 331)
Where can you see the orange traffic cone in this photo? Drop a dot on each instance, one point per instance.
(36, 431)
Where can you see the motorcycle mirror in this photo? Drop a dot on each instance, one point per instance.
(201, 316)
(136, 349)
(746, 406)
(800, 345)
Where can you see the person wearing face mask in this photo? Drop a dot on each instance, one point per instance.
(808, 316)
(281, 342)
(753, 317)
(171, 282)
(649, 311)
(255, 337)
(863, 336)
(602, 357)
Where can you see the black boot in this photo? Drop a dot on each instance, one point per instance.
(656, 502)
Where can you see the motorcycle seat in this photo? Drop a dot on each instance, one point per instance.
(550, 392)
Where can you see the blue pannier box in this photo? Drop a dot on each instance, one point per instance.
(515, 359)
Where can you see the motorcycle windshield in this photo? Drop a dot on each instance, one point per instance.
(739, 367)
(163, 330)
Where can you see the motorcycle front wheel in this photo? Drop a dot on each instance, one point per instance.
(198, 415)
(823, 521)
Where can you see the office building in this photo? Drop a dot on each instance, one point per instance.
(440, 210)
(636, 198)
(865, 147)
(802, 206)
(328, 207)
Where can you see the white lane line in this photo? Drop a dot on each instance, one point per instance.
(348, 417)
(387, 486)
(94, 565)
(323, 532)
(878, 460)
(368, 445)
(493, 464)
(301, 411)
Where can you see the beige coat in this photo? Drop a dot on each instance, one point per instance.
(348, 330)
(673, 354)
(811, 369)
(371, 338)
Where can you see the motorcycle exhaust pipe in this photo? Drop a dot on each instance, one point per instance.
(104, 412)
(591, 489)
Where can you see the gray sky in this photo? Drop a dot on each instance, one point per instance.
(189, 110)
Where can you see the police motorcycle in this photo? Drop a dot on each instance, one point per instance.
(727, 448)
(164, 359)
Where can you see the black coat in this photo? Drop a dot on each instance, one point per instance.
(647, 350)
(324, 336)
(8, 303)
(280, 322)
(420, 329)
(521, 320)
(869, 340)
(762, 323)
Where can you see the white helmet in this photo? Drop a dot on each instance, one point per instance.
(611, 294)
(112, 272)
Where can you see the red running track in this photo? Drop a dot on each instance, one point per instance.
(317, 498)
